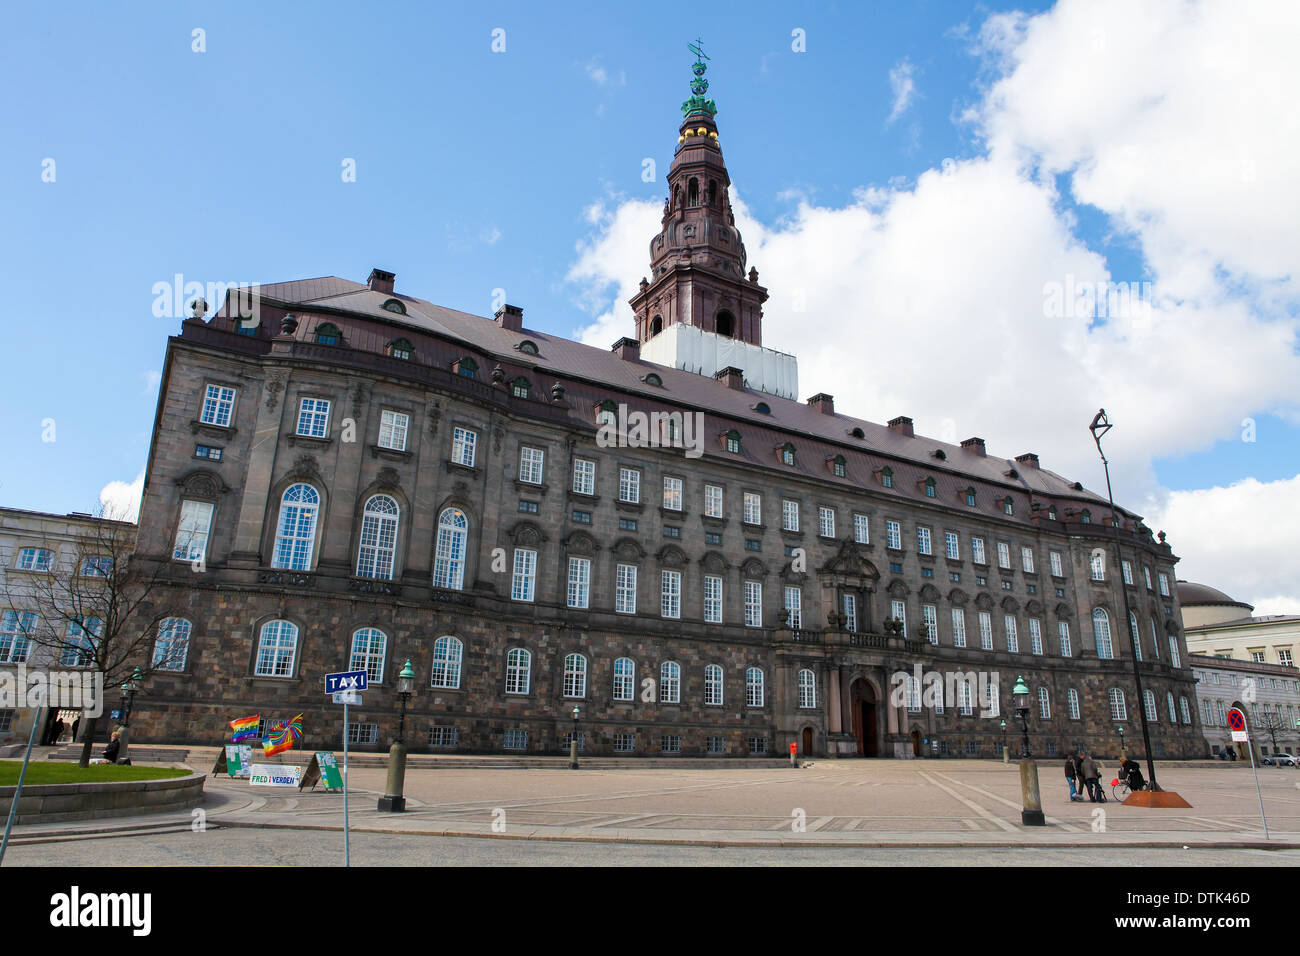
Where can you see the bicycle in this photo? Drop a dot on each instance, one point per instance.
(1120, 789)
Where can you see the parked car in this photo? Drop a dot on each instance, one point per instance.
(1287, 760)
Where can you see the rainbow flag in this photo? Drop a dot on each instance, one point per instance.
(244, 728)
(294, 727)
(277, 741)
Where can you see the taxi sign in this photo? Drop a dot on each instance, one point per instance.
(345, 680)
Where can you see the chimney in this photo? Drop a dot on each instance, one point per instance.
(629, 350)
(510, 317)
(732, 377)
(974, 446)
(823, 403)
(381, 281)
(1029, 459)
(903, 425)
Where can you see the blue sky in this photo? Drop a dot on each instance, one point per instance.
(474, 170)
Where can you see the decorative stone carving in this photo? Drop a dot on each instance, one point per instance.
(274, 386)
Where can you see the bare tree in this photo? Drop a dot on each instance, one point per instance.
(97, 607)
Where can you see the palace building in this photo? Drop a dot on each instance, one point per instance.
(349, 476)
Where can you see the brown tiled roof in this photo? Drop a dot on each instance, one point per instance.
(604, 369)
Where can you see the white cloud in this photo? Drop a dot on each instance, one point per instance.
(121, 499)
(152, 378)
(602, 77)
(903, 84)
(1150, 126)
(1239, 539)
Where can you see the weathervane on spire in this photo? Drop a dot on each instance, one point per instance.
(699, 85)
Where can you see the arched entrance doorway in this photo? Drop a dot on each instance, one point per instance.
(865, 719)
(807, 742)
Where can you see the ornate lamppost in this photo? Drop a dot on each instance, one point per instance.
(1031, 813)
(573, 741)
(393, 800)
(1123, 753)
(129, 688)
(1005, 756)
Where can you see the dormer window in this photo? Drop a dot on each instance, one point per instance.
(466, 366)
(970, 497)
(1085, 516)
(837, 466)
(521, 388)
(731, 441)
(1051, 512)
(762, 408)
(929, 488)
(887, 477)
(328, 334)
(401, 349)
(528, 347)
(1008, 506)
(606, 413)
(940, 454)
(396, 306)
(653, 379)
(858, 433)
(787, 454)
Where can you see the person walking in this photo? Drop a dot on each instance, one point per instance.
(1091, 775)
(58, 732)
(1072, 777)
(76, 726)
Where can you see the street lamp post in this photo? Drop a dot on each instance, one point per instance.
(573, 742)
(1031, 813)
(1006, 757)
(393, 801)
(1123, 754)
(129, 688)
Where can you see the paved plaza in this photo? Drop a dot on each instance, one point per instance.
(928, 805)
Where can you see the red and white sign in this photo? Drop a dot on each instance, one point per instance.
(1237, 723)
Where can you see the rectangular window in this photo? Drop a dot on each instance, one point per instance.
(789, 515)
(826, 522)
(977, 550)
(1097, 565)
(893, 535)
(393, 427)
(670, 594)
(849, 608)
(192, 530)
(579, 591)
(672, 532)
(753, 604)
(516, 740)
(757, 745)
(218, 403)
(1036, 635)
(1027, 560)
(713, 745)
(627, 524)
(363, 733)
(952, 545)
(1063, 635)
(16, 630)
(670, 743)
(625, 589)
(1164, 584)
(1146, 573)
(529, 507)
(673, 494)
(1004, 555)
(1128, 572)
(913, 695)
(443, 737)
(923, 541)
(958, 627)
(861, 529)
(463, 446)
(629, 485)
(1013, 638)
(1058, 569)
(986, 631)
(581, 517)
(525, 575)
(753, 511)
(712, 599)
(930, 621)
(207, 451)
(530, 465)
(713, 501)
(794, 605)
(584, 476)
(313, 417)
(624, 743)
(898, 611)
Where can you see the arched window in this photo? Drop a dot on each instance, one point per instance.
(653, 379)
(858, 433)
(528, 347)
(1169, 702)
(1101, 633)
(448, 652)
(378, 539)
(575, 675)
(521, 388)
(1044, 704)
(35, 559)
(624, 678)
(295, 535)
(1072, 698)
(724, 324)
(401, 349)
(368, 647)
(762, 408)
(693, 192)
(732, 441)
(328, 334)
(808, 688)
(467, 367)
(1118, 708)
(670, 683)
(754, 687)
(713, 684)
(449, 554)
(519, 663)
(172, 648)
(277, 647)
(395, 306)
(1149, 705)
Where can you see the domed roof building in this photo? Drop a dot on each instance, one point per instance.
(1203, 604)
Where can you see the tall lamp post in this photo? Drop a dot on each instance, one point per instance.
(1005, 756)
(1031, 813)
(1100, 425)
(1123, 754)
(393, 801)
(573, 742)
(129, 688)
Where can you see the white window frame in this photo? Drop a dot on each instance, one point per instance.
(712, 599)
(1012, 632)
(670, 594)
(218, 406)
(532, 464)
(193, 530)
(959, 627)
(825, 522)
(448, 656)
(393, 429)
(924, 542)
(1004, 555)
(1101, 636)
(861, 528)
(713, 685)
(793, 601)
(986, 630)
(952, 545)
(753, 604)
(295, 535)
(1056, 564)
(584, 476)
(464, 446)
(713, 501)
(755, 687)
(629, 485)
(1072, 702)
(377, 549)
(670, 683)
(898, 611)
(930, 622)
(578, 590)
(789, 515)
(519, 671)
(313, 418)
(368, 652)
(753, 508)
(1035, 635)
(977, 554)
(523, 579)
(624, 678)
(1027, 560)
(893, 535)
(625, 589)
(575, 677)
(807, 683)
(672, 493)
(173, 636)
(270, 660)
(451, 549)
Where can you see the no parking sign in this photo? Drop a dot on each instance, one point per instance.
(1237, 723)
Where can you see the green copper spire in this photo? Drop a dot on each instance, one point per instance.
(699, 85)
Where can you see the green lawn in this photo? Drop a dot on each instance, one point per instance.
(67, 771)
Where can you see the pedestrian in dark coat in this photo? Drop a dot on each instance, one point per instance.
(1072, 778)
(1091, 775)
